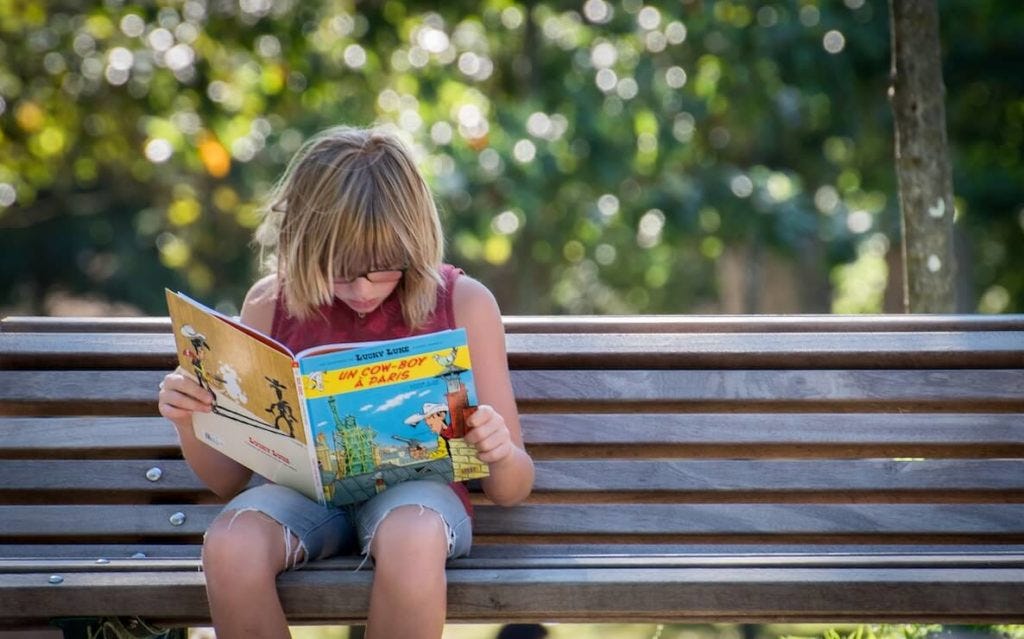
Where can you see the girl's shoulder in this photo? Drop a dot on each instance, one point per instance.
(260, 302)
(472, 301)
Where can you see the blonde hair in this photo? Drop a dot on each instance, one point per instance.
(352, 200)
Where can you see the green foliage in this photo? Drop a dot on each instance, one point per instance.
(588, 156)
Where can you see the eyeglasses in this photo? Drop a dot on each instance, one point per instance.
(376, 276)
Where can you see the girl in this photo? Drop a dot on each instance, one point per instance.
(356, 251)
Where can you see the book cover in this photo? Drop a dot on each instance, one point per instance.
(390, 412)
(338, 423)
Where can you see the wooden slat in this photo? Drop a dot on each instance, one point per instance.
(754, 519)
(990, 349)
(81, 522)
(982, 521)
(611, 594)
(718, 478)
(612, 430)
(107, 476)
(72, 437)
(600, 323)
(890, 555)
(134, 392)
(572, 476)
(868, 390)
(11, 553)
(966, 558)
(602, 435)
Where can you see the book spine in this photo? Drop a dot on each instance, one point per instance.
(308, 429)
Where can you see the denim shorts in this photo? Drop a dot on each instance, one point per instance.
(324, 531)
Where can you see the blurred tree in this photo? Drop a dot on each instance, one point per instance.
(922, 158)
(589, 156)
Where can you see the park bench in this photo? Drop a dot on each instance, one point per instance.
(745, 469)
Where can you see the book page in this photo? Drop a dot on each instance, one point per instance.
(389, 412)
(257, 418)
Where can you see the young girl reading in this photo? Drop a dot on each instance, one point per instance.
(356, 249)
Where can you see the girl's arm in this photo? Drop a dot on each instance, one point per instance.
(180, 396)
(494, 428)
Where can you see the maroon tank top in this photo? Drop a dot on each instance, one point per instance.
(337, 323)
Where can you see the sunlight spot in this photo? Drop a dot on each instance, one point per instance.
(675, 77)
(834, 41)
(608, 205)
(158, 150)
(355, 56)
(505, 223)
(598, 11)
(741, 186)
(859, 221)
(649, 18)
(524, 151)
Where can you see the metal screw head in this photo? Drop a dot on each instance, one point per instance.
(56, 579)
(154, 474)
(177, 519)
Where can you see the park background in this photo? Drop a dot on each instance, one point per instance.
(709, 156)
(588, 157)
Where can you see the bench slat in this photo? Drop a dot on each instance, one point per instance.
(134, 392)
(711, 478)
(601, 323)
(606, 594)
(601, 435)
(87, 436)
(990, 349)
(965, 558)
(80, 477)
(1003, 554)
(982, 521)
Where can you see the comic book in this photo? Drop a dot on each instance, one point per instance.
(338, 422)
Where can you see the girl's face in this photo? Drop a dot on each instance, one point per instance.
(367, 291)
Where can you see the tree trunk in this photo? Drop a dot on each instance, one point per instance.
(922, 158)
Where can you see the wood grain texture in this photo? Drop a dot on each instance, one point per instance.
(984, 521)
(733, 350)
(600, 435)
(117, 392)
(600, 323)
(606, 594)
(704, 468)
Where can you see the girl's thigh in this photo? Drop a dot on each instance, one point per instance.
(433, 495)
(322, 531)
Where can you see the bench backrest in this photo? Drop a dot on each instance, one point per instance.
(649, 434)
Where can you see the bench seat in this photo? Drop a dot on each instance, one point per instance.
(744, 469)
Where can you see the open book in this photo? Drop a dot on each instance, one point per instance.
(340, 422)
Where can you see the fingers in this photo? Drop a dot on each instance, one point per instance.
(180, 396)
(489, 434)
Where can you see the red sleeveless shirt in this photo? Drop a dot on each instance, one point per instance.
(338, 323)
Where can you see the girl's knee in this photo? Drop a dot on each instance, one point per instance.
(248, 542)
(410, 533)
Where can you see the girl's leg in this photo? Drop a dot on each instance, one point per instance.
(262, 532)
(243, 553)
(411, 529)
(409, 597)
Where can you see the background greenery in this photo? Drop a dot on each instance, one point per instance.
(589, 157)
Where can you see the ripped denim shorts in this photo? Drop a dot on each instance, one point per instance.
(326, 531)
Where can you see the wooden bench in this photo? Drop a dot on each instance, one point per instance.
(746, 469)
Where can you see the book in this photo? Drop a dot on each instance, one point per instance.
(337, 422)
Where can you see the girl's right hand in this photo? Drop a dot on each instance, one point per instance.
(180, 396)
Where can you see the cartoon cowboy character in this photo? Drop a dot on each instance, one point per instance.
(435, 416)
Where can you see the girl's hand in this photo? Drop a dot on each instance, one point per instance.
(180, 396)
(489, 435)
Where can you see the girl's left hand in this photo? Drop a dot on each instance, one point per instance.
(489, 435)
